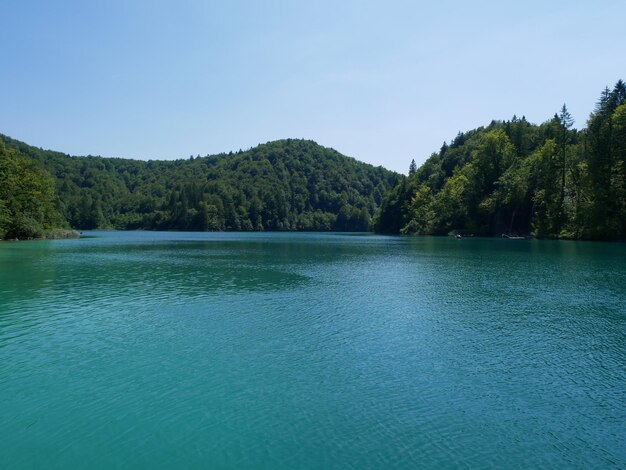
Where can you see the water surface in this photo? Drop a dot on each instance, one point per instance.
(183, 350)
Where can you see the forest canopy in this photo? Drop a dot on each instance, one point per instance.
(282, 185)
(516, 178)
(28, 203)
(510, 177)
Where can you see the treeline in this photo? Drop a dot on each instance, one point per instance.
(511, 177)
(517, 178)
(283, 185)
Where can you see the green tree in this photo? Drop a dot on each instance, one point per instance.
(27, 197)
(566, 122)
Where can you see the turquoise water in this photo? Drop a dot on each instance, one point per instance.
(196, 350)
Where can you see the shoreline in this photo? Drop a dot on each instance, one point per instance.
(52, 234)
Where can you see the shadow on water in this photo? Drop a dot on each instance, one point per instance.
(145, 268)
(162, 270)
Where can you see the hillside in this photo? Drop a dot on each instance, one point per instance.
(517, 178)
(28, 203)
(283, 185)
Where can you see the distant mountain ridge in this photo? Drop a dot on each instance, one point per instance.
(288, 184)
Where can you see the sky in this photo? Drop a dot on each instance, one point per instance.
(382, 81)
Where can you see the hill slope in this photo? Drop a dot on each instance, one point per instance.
(283, 185)
(27, 197)
(514, 177)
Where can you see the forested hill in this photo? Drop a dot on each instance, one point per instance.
(28, 202)
(283, 185)
(517, 178)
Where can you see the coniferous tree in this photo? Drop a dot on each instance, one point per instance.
(549, 180)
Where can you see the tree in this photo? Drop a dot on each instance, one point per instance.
(422, 217)
(563, 122)
(566, 122)
(27, 197)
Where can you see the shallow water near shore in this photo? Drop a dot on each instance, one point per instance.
(293, 350)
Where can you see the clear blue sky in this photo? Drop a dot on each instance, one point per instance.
(380, 81)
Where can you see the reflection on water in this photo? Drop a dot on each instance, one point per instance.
(311, 350)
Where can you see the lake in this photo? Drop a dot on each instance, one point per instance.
(293, 350)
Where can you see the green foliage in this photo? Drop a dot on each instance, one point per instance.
(510, 177)
(513, 177)
(27, 197)
(422, 217)
(282, 185)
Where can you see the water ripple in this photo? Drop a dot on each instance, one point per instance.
(311, 350)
